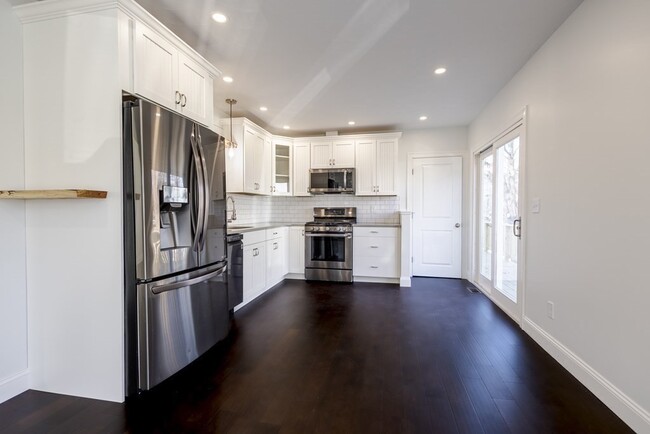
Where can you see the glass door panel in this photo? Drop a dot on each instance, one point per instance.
(485, 214)
(282, 166)
(506, 218)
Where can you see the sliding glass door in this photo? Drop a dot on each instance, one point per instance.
(498, 219)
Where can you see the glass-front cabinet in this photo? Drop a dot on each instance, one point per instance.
(281, 168)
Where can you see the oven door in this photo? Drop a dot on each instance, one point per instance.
(331, 251)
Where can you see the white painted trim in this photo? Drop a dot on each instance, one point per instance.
(406, 248)
(295, 276)
(625, 407)
(14, 385)
(364, 279)
(517, 121)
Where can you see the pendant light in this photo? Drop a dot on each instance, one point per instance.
(231, 145)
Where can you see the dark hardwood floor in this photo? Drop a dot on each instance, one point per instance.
(362, 358)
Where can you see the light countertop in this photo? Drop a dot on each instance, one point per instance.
(235, 228)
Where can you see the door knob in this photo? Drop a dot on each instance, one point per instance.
(457, 225)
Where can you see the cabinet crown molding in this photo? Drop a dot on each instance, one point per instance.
(52, 9)
(239, 121)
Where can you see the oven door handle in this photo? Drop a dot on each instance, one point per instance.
(328, 235)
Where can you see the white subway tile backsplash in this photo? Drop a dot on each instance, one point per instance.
(260, 209)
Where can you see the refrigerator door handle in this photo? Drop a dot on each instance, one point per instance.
(189, 282)
(206, 189)
(200, 185)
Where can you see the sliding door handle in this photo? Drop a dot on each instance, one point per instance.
(516, 227)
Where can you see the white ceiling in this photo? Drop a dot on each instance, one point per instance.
(319, 64)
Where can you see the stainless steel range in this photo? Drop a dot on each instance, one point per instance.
(328, 244)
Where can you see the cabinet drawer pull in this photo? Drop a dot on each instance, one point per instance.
(275, 246)
(184, 100)
(374, 247)
(178, 97)
(374, 232)
(374, 266)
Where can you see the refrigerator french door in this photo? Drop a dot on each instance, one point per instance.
(175, 242)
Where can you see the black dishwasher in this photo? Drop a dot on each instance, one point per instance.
(235, 270)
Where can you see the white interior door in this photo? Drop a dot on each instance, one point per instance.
(437, 207)
(498, 241)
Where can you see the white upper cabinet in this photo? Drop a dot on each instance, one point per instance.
(249, 166)
(169, 77)
(376, 167)
(321, 154)
(257, 161)
(343, 153)
(195, 86)
(365, 169)
(301, 164)
(156, 67)
(282, 177)
(327, 154)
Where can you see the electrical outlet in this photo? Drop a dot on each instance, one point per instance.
(550, 309)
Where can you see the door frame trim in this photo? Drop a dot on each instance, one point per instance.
(410, 160)
(517, 121)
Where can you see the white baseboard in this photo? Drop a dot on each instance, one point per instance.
(365, 279)
(405, 282)
(295, 276)
(14, 385)
(627, 409)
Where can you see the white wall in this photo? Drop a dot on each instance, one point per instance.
(13, 296)
(449, 141)
(73, 122)
(587, 91)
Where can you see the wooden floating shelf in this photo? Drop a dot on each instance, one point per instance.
(52, 194)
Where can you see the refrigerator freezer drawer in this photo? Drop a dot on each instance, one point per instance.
(178, 320)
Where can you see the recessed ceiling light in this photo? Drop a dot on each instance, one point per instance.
(219, 17)
(439, 71)
(423, 118)
(286, 127)
(351, 123)
(263, 108)
(227, 79)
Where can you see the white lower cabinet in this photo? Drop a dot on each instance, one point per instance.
(254, 265)
(296, 251)
(276, 258)
(376, 253)
(266, 261)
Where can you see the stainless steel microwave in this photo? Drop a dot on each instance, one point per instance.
(331, 181)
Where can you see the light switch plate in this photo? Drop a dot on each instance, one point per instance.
(535, 205)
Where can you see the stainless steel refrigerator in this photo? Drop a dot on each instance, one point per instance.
(176, 296)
